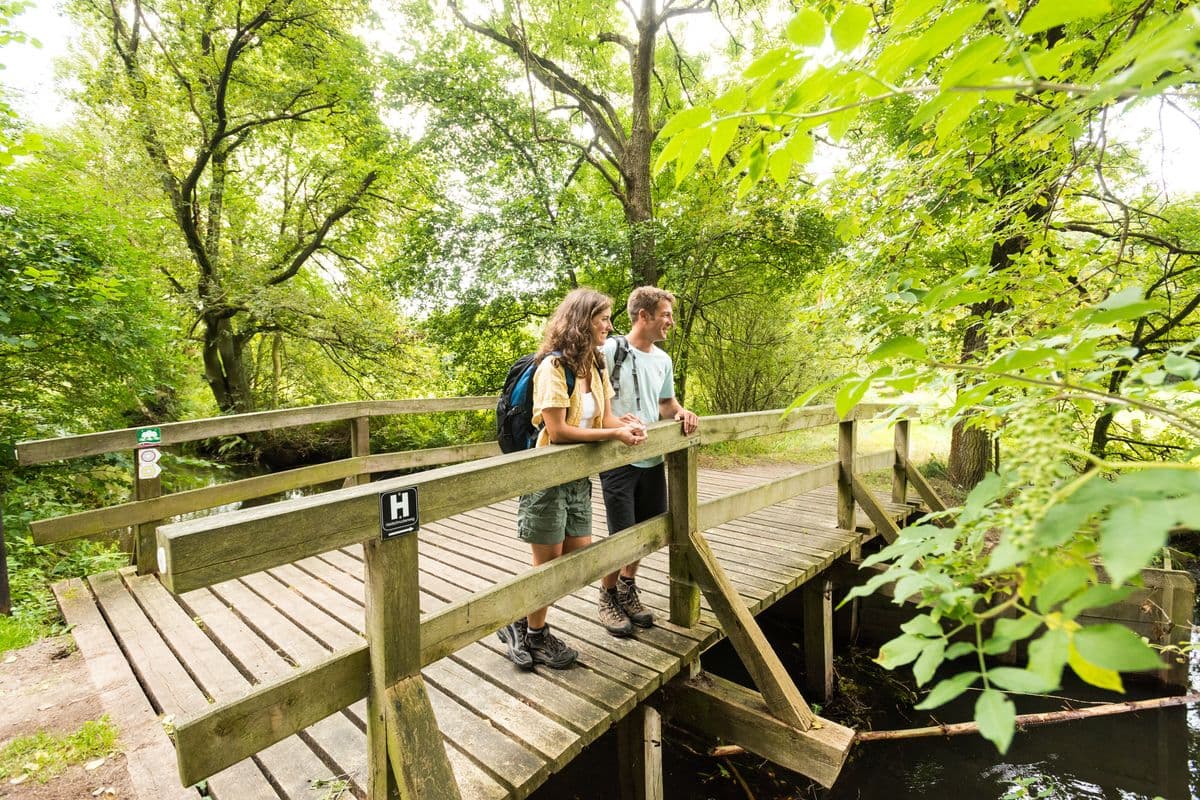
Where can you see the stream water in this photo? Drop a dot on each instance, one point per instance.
(1125, 757)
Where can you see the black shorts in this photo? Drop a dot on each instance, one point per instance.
(633, 494)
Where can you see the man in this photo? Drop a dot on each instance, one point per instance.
(644, 378)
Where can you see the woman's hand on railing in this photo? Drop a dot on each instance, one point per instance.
(631, 433)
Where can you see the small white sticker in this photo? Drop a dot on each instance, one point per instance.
(162, 560)
(146, 471)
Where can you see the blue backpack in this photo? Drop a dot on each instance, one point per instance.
(514, 411)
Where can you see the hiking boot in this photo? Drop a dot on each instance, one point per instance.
(631, 605)
(548, 649)
(614, 620)
(515, 635)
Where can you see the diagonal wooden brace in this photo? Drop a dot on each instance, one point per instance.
(885, 526)
(414, 744)
(923, 488)
(727, 711)
(778, 689)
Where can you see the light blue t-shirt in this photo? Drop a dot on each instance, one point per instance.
(655, 381)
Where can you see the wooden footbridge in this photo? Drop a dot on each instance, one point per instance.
(290, 649)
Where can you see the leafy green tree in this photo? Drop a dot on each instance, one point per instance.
(600, 67)
(1003, 178)
(259, 129)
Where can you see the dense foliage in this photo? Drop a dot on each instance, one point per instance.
(257, 207)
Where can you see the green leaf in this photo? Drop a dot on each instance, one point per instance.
(909, 11)
(947, 690)
(1133, 534)
(1095, 675)
(850, 27)
(688, 118)
(1019, 680)
(849, 395)
(1014, 630)
(956, 113)
(972, 58)
(1182, 367)
(1095, 597)
(898, 346)
(807, 29)
(958, 650)
(722, 137)
(929, 661)
(900, 651)
(1048, 655)
(1060, 523)
(1061, 585)
(922, 625)
(780, 166)
(800, 146)
(997, 717)
(1115, 647)
(1050, 13)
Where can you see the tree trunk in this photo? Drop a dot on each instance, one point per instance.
(224, 367)
(639, 203)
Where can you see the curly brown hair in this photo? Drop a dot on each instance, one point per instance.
(570, 329)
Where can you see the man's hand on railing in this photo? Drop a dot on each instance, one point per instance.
(690, 421)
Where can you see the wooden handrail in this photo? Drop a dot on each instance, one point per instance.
(90, 444)
(200, 552)
(86, 523)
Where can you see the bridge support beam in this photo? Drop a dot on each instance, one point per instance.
(639, 753)
(724, 710)
(682, 483)
(403, 740)
(818, 638)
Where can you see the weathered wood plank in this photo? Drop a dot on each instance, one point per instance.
(476, 616)
(149, 756)
(728, 427)
(294, 763)
(639, 755)
(37, 452)
(86, 523)
(685, 522)
(168, 685)
(143, 533)
(747, 638)
(204, 551)
(723, 709)
(847, 447)
(818, 638)
(923, 488)
(899, 473)
(414, 743)
(884, 525)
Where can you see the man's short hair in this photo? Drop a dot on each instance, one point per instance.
(646, 298)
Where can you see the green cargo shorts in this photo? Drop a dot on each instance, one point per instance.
(550, 515)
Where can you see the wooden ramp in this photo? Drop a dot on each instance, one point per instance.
(506, 731)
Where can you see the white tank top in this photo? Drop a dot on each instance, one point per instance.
(589, 410)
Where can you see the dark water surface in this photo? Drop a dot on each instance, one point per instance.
(1124, 757)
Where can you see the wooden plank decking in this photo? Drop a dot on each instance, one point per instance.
(506, 730)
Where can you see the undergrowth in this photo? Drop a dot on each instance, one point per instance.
(43, 756)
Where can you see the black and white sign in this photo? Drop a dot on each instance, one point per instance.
(398, 513)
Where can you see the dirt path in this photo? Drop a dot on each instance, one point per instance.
(45, 687)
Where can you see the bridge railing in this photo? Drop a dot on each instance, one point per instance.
(403, 739)
(149, 507)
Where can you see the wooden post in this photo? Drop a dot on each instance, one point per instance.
(639, 754)
(685, 519)
(360, 445)
(899, 466)
(144, 553)
(847, 444)
(401, 726)
(818, 638)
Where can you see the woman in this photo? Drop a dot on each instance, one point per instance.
(558, 520)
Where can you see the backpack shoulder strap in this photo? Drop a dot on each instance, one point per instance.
(568, 373)
(620, 353)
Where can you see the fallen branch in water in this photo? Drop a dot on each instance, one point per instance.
(1022, 721)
